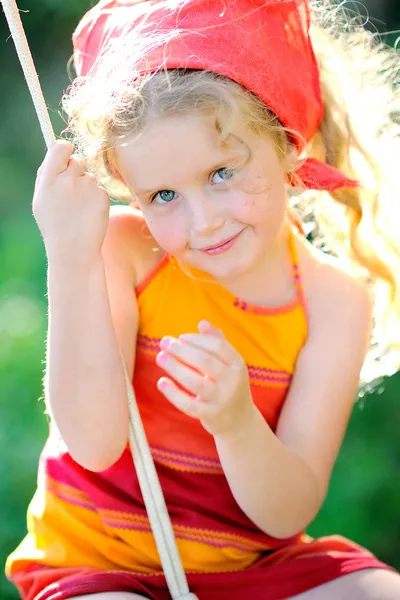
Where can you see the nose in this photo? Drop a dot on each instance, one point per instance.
(207, 215)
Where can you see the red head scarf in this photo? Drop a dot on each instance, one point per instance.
(262, 44)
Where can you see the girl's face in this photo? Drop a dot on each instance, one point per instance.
(216, 205)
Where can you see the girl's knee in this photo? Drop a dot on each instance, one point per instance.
(369, 584)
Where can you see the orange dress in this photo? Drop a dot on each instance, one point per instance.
(89, 532)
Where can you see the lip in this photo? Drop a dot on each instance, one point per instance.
(222, 246)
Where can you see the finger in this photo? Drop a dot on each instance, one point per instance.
(92, 179)
(193, 381)
(208, 328)
(78, 164)
(57, 158)
(198, 358)
(38, 175)
(179, 398)
(217, 345)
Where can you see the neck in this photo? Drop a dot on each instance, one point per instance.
(270, 280)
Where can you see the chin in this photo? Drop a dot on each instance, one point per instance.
(227, 268)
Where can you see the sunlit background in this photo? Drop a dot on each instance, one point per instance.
(364, 498)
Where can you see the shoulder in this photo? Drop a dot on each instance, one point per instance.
(129, 242)
(328, 282)
(128, 251)
(336, 298)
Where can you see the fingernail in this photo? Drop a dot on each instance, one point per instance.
(165, 342)
(161, 358)
(162, 384)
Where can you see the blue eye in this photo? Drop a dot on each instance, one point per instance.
(223, 174)
(165, 196)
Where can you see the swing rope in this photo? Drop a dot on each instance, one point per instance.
(144, 464)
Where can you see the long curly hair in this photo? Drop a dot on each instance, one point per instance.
(359, 134)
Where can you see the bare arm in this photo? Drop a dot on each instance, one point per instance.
(280, 481)
(92, 314)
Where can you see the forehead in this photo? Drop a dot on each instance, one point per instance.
(177, 147)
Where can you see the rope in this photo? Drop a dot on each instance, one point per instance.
(155, 503)
(28, 67)
(147, 475)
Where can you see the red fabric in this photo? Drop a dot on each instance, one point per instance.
(278, 576)
(113, 490)
(316, 175)
(262, 44)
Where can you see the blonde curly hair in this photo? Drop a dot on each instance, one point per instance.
(359, 135)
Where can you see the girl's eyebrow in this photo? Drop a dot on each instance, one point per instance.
(222, 163)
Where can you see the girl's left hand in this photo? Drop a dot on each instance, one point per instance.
(214, 377)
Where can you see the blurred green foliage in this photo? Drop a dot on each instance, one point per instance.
(364, 497)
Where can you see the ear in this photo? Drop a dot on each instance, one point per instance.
(292, 155)
(110, 162)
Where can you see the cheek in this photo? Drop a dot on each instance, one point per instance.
(167, 230)
(262, 209)
(259, 198)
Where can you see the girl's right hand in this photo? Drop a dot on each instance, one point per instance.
(70, 209)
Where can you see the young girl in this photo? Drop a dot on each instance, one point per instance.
(244, 343)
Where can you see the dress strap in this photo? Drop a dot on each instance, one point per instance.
(296, 270)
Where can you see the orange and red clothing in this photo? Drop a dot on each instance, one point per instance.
(89, 532)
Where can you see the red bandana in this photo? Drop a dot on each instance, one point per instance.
(262, 44)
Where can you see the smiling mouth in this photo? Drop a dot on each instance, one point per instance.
(221, 246)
